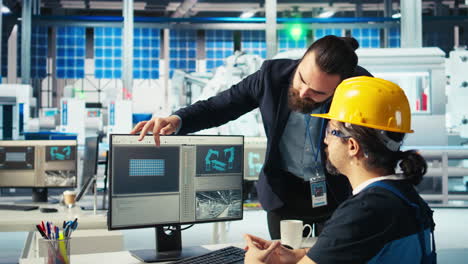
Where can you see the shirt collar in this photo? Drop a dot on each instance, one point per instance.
(363, 185)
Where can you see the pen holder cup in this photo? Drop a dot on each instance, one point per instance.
(58, 251)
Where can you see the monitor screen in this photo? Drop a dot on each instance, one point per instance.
(16, 158)
(38, 164)
(188, 179)
(60, 153)
(254, 157)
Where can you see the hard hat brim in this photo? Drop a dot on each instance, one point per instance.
(328, 116)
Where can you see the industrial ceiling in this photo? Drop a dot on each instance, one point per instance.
(233, 8)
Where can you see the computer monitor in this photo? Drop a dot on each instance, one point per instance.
(90, 164)
(254, 157)
(187, 180)
(38, 164)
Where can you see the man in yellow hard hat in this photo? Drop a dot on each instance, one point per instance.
(286, 92)
(385, 221)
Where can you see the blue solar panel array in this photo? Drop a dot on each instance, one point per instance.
(146, 53)
(39, 44)
(39, 51)
(254, 42)
(367, 37)
(70, 52)
(108, 52)
(322, 32)
(394, 37)
(219, 44)
(286, 42)
(183, 50)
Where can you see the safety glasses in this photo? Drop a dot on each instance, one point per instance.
(335, 132)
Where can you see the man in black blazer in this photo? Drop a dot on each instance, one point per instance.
(286, 92)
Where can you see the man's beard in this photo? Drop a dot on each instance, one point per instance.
(331, 168)
(297, 104)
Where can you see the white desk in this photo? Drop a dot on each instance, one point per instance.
(112, 257)
(121, 257)
(24, 221)
(124, 257)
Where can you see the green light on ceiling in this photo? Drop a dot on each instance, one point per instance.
(296, 31)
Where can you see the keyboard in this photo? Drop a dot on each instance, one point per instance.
(18, 207)
(221, 256)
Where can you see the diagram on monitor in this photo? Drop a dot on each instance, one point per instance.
(60, 153)
(218, 159)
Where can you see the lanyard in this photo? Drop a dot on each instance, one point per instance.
(309, 136)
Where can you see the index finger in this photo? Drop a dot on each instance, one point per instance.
(156, 130)
(145, 129)
(249, 242)
(263, 242)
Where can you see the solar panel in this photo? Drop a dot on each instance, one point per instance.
(254, 42)
(70, 56)
(219, 44)
(146, 46)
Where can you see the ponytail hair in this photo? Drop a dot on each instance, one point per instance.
(413, 165)
(352, 42)
(379, 156)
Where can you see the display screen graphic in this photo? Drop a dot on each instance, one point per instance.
(146, 167)
(60, 153)
(218, 204)
(219, 159)
(16, 158)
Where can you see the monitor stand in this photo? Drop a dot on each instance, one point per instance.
(168, 247)
(39, 195)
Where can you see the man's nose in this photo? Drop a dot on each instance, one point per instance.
(325, 141)
(304, 92)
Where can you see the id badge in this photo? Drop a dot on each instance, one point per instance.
(319, 193)
(318, 188)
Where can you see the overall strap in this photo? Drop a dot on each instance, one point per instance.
(395, 191)
(431, 258)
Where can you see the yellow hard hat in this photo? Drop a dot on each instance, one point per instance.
(371, 102)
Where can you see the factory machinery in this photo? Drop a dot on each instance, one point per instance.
(437, 105)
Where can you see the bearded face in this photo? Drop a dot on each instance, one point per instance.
(310, 86)
(298, 104)
(331, 168)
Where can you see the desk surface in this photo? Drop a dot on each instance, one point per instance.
(24, 221)
(124, 257)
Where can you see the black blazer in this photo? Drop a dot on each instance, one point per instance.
(266, 89)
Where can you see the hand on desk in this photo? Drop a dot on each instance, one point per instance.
(270, 252)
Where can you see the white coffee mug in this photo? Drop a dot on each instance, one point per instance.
(291, 232)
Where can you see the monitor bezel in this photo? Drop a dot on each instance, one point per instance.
(109, 212)
(47, 186)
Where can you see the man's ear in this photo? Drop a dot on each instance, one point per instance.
(353, 147)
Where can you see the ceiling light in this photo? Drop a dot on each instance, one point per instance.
(327, 13)
(248, 14)
(396, 15)
(5, 10)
